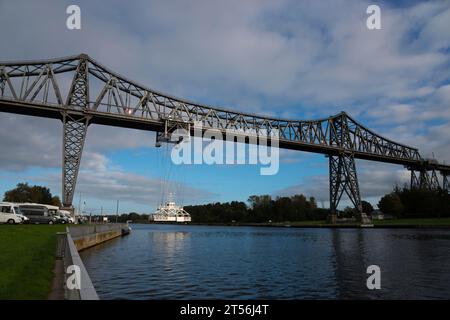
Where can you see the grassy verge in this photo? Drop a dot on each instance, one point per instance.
(300, 223)
(394, 222)
(27, 254)
(418, 222)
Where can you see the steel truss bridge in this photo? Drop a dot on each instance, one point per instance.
(80, 91)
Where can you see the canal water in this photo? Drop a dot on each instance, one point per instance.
(205, 262)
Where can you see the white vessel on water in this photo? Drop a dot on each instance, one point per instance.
(170, 212)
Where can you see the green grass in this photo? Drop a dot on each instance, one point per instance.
(406, 222)
(410, 222)
(27, 254)
(300, 223)
(417, 221)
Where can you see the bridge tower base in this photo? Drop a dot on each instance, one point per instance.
(343, 178)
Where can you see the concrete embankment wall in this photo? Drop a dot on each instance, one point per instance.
(88, 236)
(70, 243)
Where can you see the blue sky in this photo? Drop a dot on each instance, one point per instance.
(292, 59)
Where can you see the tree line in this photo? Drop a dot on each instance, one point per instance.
(415, 203)
(260, 209)
(33, 194)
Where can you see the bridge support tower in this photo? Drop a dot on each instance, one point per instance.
(445, 181)
(343, 178)
(74, 132)
(425, 179)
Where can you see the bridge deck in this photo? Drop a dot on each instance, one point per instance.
(124, 121)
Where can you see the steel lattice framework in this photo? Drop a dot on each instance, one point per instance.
(80, 91)
(343, 179)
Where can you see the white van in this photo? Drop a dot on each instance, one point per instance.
(8, 213)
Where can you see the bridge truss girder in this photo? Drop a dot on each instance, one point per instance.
(2, 84)
(445, 182)
(425, 179)
(118, 101)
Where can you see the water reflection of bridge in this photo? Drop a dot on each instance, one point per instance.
(405, 257)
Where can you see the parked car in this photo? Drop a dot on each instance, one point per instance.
(8, 214)
(37, 213)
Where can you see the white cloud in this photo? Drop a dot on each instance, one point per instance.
(282, 52)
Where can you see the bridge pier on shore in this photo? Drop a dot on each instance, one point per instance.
(332, 218)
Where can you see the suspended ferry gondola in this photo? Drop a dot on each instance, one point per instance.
(170, 212)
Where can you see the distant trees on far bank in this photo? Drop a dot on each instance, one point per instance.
(124, 217)
(416, 203)
(401, 203)
(261, 209)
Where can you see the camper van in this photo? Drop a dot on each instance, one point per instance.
(54, 211)
(37, 213)
(9, 213)
(67, 214)
(14, 208)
